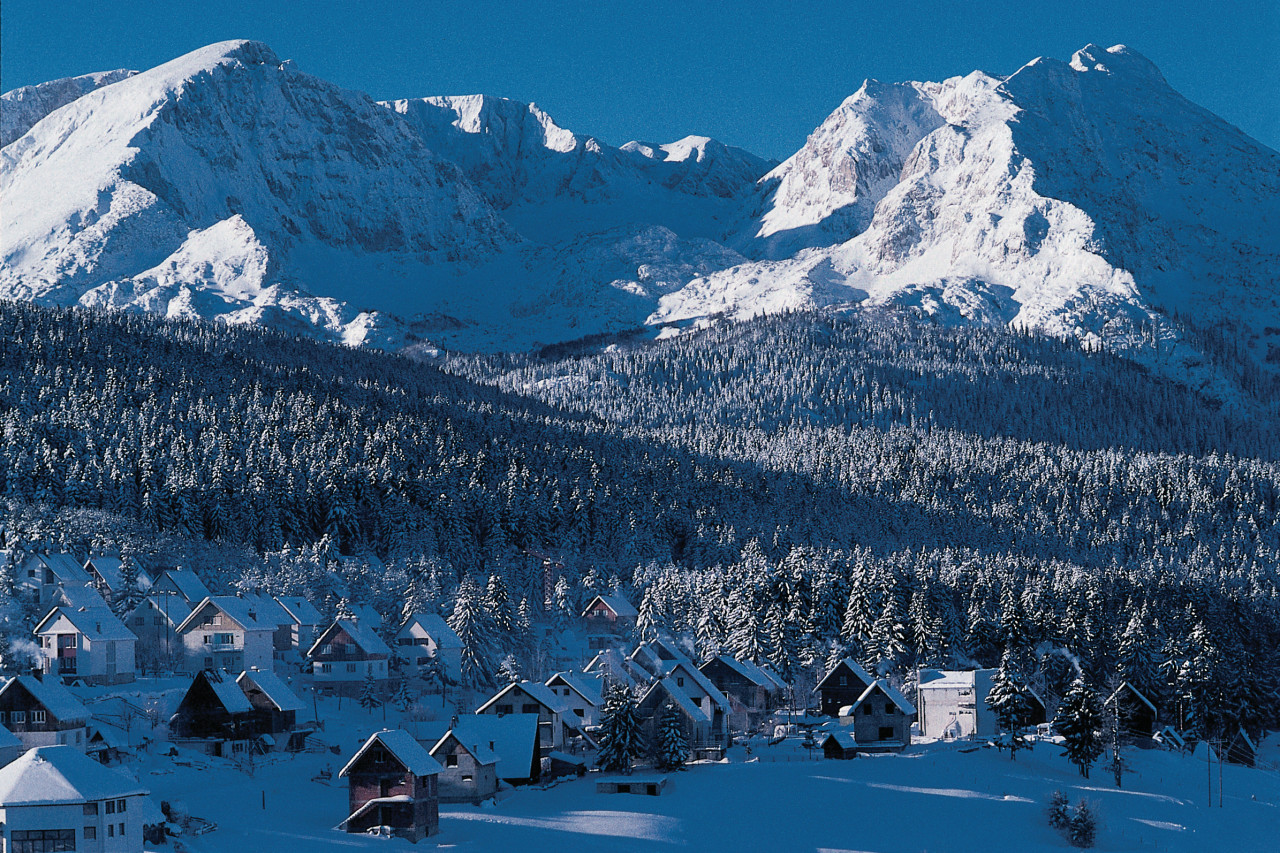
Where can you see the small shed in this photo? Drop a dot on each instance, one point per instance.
(839, 745)
(651, 786)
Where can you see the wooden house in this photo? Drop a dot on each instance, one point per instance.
(154, 621)
(842, 686)
(608, 619)
(881, 718)
(56, 798)
(43, 713)
(752, 691)
(392, 781)
(214, 716)
(223, 633)
(346, 654)
(470, 769)
(1138, 714)
(275, 708)
(425, 636)
(89, 645)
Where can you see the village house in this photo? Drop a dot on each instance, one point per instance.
(842, 686)
(10, 746)
(513, 738)
(881, 718)
(39, 575)
(704, 740)
(182, 583)
(752, 691)
(557, 724)
(953, 703)
(582, 692)
(154, 621)
(839, 745)
(305, 621)
(223, 632)
(42, 713)
(346, 654)
(214, 716)
(392, 782)
(424, 636)
(107, 575)
(56, 798)
(89, 645)
(611, 666)
(275, 709)
(117, 728)
(1138, 714)
(470, 770)
(608, 619)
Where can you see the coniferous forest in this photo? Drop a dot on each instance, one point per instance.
(793, 490)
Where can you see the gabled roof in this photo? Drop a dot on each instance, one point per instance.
(302, 611)
(609, 663)
(434, 627)
(77, 596)
(239, 610)
(8, 739)
(619, 605)
(110, 569)
(225, 689)
(894, 695)
(188, 583)
(535, 690)
(367, 614)
(852, 664)
(404, 748)
(480, 752)
(362, 634)
(513, 737)
(701, 680)
(843, 737)
(54, 775)
(267, 611)
(272, 687)
(747, 670)
(677, 695)
(1135, 691)
(587, 685)
(52, 696)
(173, 607)
(65, 567)
(96, 624)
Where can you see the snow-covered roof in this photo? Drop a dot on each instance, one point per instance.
(361, 633)
(557, 755)
(535, 690)
(110, 570)
(947, 679)
(619, 605)
(8, 739)
(749, 671)
(843, 737)
(239, 610)
(55, 775)
(513, 737)
(302, 611)
(1135, 691)
(479, 751)
(686, 666)
(187, 583)
(95, 624)
(586, 685)
(404, 748)
(609, 663)
(852, 664)
(434, 627)
(52, 696)
(397, 799)
(679, 697)
(267, 611)
(79, 596)
(271, 686)
(173, 607)
(367, 614)
(65, 568)
(227, 691)
(895, 696)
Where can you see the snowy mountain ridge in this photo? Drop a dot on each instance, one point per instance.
(21, 108)
(1084, 198)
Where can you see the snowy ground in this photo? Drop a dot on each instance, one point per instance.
(933, 798)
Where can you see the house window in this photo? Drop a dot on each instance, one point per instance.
(90, 809)
(886, 733)
(122, 806)
(624, 789)
(679, 682)
(111, 806)
(217, 618)
(351, 667)
(42, 840)
(90, 833)
(529, 708)
(37, 716)
(111, 830)
(224, 639)
(155, 620)
(122, 830)
(451, 761)
(503, 709)
(866, 710)
(18, 716)
(326, 667)
(466, 777)
(844, 681)
(579, 711)
(888, 707)
(141, 620)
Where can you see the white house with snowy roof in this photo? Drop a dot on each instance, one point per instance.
(223, 632)
(305, 621)
(154, 621)
(41, 574)
(56, 798)
(881, 718)
(556, 720)
(583, 691)
(424, 636)
(86, 644)
(347, 653)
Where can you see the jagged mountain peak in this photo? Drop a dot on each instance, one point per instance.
(21, 108)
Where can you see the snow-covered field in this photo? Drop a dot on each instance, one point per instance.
(935, 797)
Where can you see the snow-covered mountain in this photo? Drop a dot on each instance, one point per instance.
(21, 108)
(1087, 199)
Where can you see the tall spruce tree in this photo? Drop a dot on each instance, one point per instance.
(471, 623)
(620, 736)
(1079, 721)
(1008, 699)
(672, 748)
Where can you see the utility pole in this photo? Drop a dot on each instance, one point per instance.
(1208, 764)
(1220, 774)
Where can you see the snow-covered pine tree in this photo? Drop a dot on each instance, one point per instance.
(1079, 721)
(1083, 829)
(130, 594)
(473, 626)
(1059, 811)
(497, 601)
(620, 739)
(672, 748)
(1008, 699)
(509, 671)
(401, 698)
(369, 698)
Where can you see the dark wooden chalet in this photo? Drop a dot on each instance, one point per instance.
(43, 713)
(392, 782)
(275, 707)
(214, 710)
(752, 692)
(1137, 713)
(842, 686)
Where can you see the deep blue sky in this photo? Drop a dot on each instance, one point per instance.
(755, 73)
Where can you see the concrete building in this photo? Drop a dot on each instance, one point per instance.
(223, 632)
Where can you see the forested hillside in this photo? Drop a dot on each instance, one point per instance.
(792, 489)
